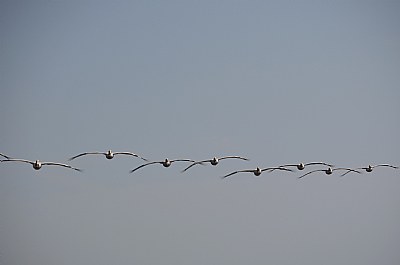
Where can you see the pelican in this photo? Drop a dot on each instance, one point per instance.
(369, 168)
(109, 154)
(302, 166)
(38, 164)
(257, 172)
(214, 161)
(165, 163)
(3, 155)
(329, 171)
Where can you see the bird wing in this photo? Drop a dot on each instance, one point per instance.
(146, 164)
(276, 168)
(351, 170)
(348, 170)
(18, 160)
(62, 165)
(195, 163)
(130, 154)
(237, 157)
(87, 153)
(318, 163)
(238, 171)
(3, 155)
(308, 173)
(289, 165)
(386, 165)
(182, 160)
(345, 173)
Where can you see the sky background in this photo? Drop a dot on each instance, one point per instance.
(275, 81)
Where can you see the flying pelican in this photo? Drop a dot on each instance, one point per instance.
(38, 165)
(3, 155)
(257, 171)
(329, 171)
(214, 161)
(109, 154)
(165, 163)
(302, 166)
(369, 168)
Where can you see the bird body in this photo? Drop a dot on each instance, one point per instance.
(37, 165)
(166, 162)
(214, 161)
(109, 154)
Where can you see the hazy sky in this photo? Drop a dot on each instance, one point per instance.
(278, 82)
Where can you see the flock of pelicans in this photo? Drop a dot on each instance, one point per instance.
(329, 168)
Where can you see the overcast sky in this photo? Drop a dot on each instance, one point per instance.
(275, 81)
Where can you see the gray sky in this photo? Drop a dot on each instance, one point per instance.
(277, 82)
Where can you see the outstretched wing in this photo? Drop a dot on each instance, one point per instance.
(238, 171)
(287, 165)
(386, 165)
(18, 160)
(308, 173)
(318, 163)
(150, 163)
(86, 153)
(61, 165)
(182, 160)
(196, 163)
(352, 170)
(348, 170)
(130, 154)
(3, 155)
(236, 157)
(275, 168)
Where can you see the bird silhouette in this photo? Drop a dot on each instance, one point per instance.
(38, 164)
(109, 154)
(369, 168)
(165, 163)
(302, 166)
(257, 171)
(329, 171)
(214, 161)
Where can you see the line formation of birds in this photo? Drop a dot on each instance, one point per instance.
(329, 168)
